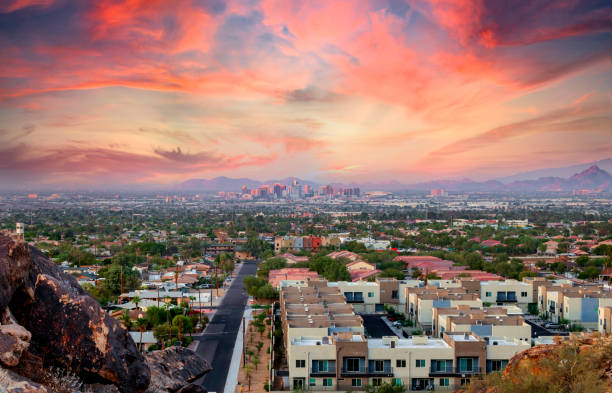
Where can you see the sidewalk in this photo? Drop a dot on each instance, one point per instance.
(232, 376)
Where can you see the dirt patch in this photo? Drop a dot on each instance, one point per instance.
(257, 370)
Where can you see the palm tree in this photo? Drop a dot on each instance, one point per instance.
(141, 324)
(256, 361)
(125, 318)
(136, 300)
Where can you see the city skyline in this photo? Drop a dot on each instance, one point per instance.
(148, 93)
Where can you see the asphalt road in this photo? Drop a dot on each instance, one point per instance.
(217, 343)
(537, 330)
(375, 326)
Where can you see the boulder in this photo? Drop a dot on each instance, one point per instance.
(14, 339)
(98, 388)
(192, 388)
(70, 329)
(174, 368)
(15, 383)
(14, 268)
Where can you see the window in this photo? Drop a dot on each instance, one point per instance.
(394, 294)
(488, 294)
(356, 382)
(523, 294)
(370, 294)
(352, 364)
(323, 365)
(400, 363)
(376, 381)
(328, 382)
(444, 382)
(496, 365)
(465, 381)
(300, 363)
(298, 383)
(396, 381)
(313, 382)
(420, 362)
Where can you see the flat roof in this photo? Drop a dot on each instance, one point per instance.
(462, 337)
(408, 343)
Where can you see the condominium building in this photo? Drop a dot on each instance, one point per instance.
(420, 303)
(577, 305)
(488, 323)
(605, 320)
(507, 292)
(349, 361)
(327, 349)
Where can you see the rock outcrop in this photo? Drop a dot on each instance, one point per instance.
(14, 339)
(15, 383)
(68, 328)
(174, 368)
(48, 322)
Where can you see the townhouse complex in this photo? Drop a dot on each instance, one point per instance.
(327, 347)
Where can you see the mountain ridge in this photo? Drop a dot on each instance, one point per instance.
(592, 178)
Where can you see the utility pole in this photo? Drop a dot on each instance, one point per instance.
(216, 282)
(199, 305)
(179, 332)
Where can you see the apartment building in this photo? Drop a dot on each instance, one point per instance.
(489, 323)
(420, 303)
(327, 348)
(348, 361)
(507, 292)
(578, 305)
(605, 320)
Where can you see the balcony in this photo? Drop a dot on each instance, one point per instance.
(365, 372)
(355, 299)
(384, 372)
(361, 371)
(330, 372)
(506, 299)
(453, 372)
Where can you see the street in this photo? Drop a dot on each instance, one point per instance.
(217, 343)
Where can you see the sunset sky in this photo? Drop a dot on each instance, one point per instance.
(150, 92)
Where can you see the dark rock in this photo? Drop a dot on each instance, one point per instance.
(70, 330)
(14, 339)
(14, 267)
(174, 368)
(31, 366)
(15, 383)
(98, 388)
(192, 388)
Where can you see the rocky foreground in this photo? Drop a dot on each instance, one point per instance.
(580, 364)
(55, 338)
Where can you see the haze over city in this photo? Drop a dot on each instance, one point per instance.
(151, 93)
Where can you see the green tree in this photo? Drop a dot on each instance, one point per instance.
(141, 325)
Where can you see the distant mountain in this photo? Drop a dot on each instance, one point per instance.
(562, 172)
(592, 178)
(220, 183)
(223, 183)
(463, 185)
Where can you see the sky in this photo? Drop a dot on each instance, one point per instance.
(151, 93)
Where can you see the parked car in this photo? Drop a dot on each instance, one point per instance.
(550, 325)
(205, 286)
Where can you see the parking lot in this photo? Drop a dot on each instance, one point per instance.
(375, 326)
